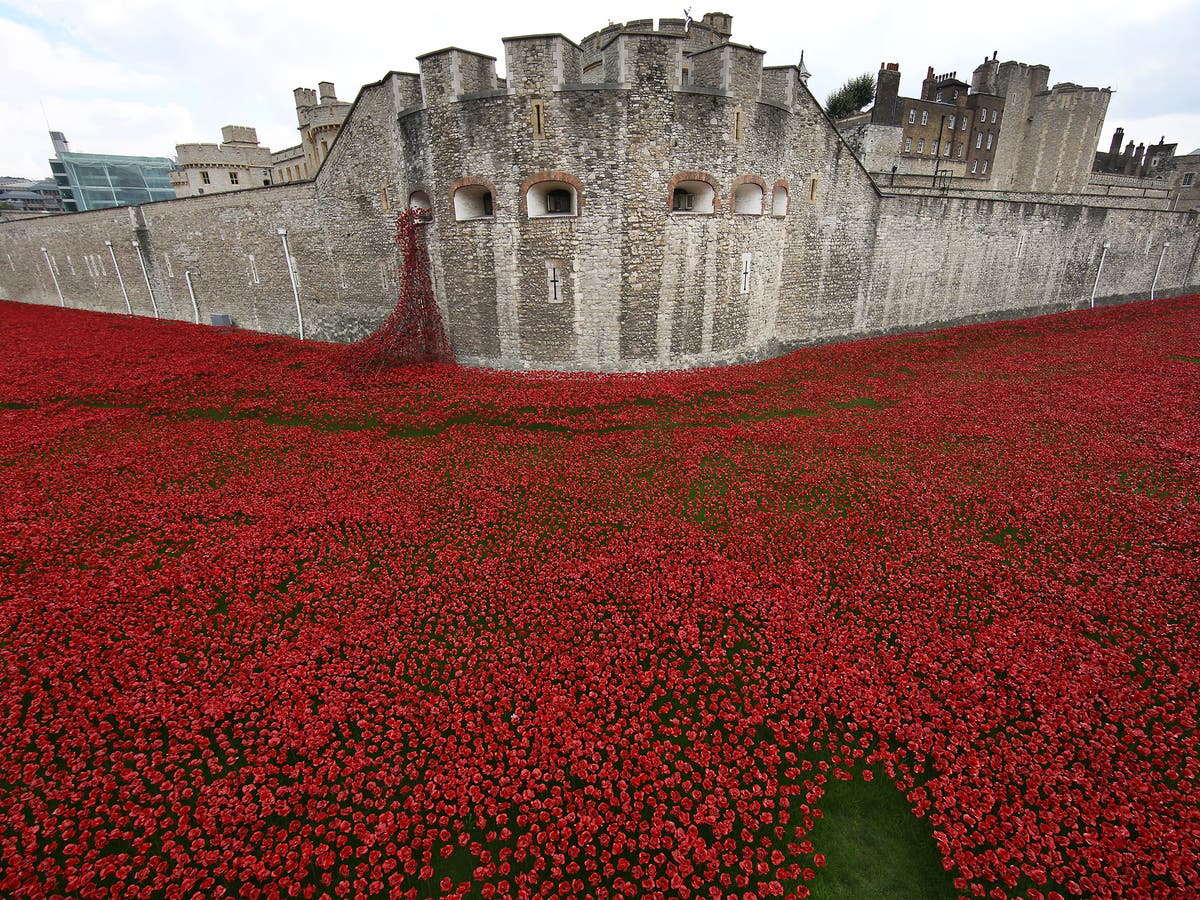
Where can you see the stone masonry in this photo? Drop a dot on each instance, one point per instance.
(631, 219)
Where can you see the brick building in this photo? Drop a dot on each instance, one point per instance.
(1046, 145)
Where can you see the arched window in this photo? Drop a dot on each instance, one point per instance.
(473, 201)
(748, 200)
(694, 197)
(779, 200)
(418, 201)
(551, 198)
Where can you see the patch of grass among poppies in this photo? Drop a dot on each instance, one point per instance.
(874, 846)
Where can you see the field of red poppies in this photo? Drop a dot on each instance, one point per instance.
(270, 627)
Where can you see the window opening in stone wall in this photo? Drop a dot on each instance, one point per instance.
(748, 200)
(555, 269)
(938, 98)
(558, 201)
(474, 201)
(908, 145)
(978, 140)
(420, 200)
(983, 114)
(737, 124)
(994, 114)
(204, 177)
(974, 166)
(924, 117)
(966, 121)
(961, 148)
(779, 201)
(912, 117)
(1020, 247)
(952, 123)
(685, 78)
(1188, 178)
(812, 189)
(385, 199)
(693, 197)
(989, 141)
(537, 117)
(324, 149)
(921, 146)
(948, 148)
(170, 269)
(746, 273)
(934, 148)
(253, 269)
(551, 198)
(233, 177)
(983, 171)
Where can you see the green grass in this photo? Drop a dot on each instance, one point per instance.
(874, 846)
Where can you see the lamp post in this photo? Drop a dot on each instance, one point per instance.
(187, 276)
(1096, 284)
(50, 266)
(1158, 269)
(146, 274)
(120, 280)
(287, 258)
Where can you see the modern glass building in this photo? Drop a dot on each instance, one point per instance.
(96, 180)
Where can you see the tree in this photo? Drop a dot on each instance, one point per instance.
(851, 96)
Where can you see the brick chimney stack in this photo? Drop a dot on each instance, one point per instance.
(886, 110)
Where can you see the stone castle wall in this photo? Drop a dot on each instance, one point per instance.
(638, 286)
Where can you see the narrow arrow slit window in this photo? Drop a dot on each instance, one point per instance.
(555, 287)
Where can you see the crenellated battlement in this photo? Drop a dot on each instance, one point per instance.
(541, 62)
(449, 74)
(735, 69)
(672, 54)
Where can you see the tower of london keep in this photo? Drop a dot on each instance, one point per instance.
(648, 198)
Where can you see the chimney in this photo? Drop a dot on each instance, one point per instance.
(327, 93)
(928, 85)
(1114, 149)
(1127, 159)
(886, 110)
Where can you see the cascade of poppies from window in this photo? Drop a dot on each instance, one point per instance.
(414, 332)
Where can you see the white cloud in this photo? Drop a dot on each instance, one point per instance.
(39, 65)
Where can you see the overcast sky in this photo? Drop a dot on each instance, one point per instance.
(140, 76)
